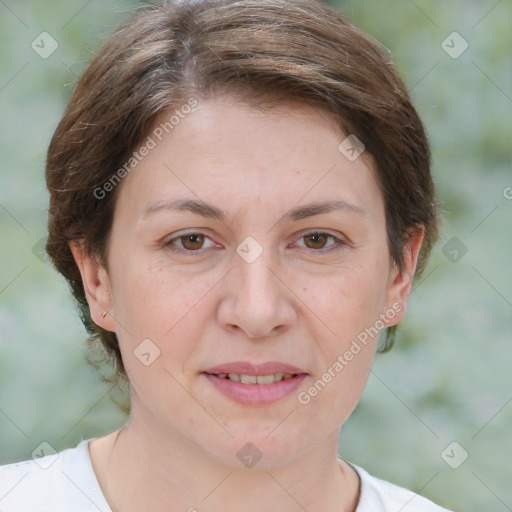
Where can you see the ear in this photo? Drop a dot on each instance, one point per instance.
(400, 282)
(96, 285)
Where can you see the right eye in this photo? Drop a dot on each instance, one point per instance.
(191, 243)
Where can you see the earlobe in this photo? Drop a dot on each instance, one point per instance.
(401, 280)
(96, 285)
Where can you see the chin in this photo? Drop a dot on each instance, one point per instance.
(253, 447)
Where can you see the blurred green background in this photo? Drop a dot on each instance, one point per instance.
(448, 378)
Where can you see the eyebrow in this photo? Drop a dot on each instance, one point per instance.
(210, 211)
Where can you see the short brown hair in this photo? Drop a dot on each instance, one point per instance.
(267, 49)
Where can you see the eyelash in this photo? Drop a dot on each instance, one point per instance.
(338, 245)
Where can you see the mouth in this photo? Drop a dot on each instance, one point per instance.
(255, 384)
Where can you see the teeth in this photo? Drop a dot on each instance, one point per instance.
(265, 379)
(256, 379)
(248, 379)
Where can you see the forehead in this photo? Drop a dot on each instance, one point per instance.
(232, 155)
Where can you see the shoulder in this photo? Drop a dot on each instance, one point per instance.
(54, 482)
(377, 494)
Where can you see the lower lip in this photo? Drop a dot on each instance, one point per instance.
(256, 394)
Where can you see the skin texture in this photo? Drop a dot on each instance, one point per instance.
(178, 450)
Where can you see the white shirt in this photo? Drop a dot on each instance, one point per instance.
(66, 482)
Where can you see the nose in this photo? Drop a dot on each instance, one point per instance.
(259, 301)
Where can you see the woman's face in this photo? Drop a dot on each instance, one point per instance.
(253, 276)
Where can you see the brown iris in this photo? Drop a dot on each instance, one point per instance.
(318, 238)
(194, 241)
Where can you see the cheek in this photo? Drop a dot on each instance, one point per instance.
(155, 299)
(345, 300)
(163, 305)
(172, 307)
(348, 303)
(333, 395)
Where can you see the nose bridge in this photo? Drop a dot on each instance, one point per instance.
(258, 303)
(257, 283)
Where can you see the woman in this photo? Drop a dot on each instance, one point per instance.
(240, 198)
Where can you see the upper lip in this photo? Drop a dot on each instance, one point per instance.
(246, 368)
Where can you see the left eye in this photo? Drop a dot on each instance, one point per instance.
(320, 238)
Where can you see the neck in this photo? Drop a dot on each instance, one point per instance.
(155, 469)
